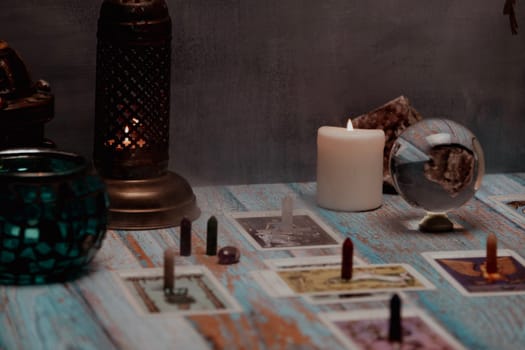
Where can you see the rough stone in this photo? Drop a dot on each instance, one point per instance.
(393, 117)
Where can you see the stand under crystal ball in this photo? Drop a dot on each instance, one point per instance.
(437, 165)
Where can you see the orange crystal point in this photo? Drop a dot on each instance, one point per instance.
(491, 263)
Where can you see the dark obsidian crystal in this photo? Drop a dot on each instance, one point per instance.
(229, 255)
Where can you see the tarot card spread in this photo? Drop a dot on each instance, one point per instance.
(511, 206)
(369, 330)
(266, 231)
(197, 291)
(322, 281)
(465, 270)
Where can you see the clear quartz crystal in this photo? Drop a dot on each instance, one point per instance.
(287, 213)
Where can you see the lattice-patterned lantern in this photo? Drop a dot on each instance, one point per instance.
(25, 106)
(132, 116)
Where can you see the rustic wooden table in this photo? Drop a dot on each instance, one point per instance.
(92, 313)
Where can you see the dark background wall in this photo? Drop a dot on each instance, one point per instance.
(253, 80)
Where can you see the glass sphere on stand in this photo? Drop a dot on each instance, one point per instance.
(437, 165)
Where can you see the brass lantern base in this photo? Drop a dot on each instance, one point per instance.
(150, 203)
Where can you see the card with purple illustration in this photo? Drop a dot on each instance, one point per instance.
(266, 231)
(197, 291)
(327, 280)
(368, 329)
(465, 270)
(511, 206)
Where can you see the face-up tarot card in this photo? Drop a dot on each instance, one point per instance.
(266, 231)
(368, 329)
(322, 281)
(196, 291)
(511, 206)
(325, 261)
(465, 270)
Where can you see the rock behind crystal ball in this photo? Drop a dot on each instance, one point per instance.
(437, 165)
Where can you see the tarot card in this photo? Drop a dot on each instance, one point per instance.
(512, 206)
(368, 329)
(465, 270)
(196, 291)
(323, 262)
(265, 230)
(321, 281)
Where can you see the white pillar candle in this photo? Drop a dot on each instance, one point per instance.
(350, 168)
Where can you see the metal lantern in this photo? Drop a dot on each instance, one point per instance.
(132, 117)
(25, 106)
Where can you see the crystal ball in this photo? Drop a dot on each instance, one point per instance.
(437, 165)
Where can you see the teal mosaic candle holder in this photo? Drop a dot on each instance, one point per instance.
(53, 215)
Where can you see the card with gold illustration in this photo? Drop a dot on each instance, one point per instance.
(322, 281)
(369, 330)
(325, 261)
(196, 292)
(465, 270)
(265, 231)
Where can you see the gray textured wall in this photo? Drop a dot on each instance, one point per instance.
(253, 80)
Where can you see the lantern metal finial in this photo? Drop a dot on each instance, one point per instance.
(25, 106)
(132, 116)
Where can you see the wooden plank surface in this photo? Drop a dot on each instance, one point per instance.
(92, 312)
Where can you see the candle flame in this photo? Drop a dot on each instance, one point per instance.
(126, 129)
(349, 125)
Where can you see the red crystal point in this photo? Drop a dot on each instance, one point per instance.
(348, 259)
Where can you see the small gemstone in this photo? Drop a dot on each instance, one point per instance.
(229, 255)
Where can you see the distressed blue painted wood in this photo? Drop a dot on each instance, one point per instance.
(92, 313)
